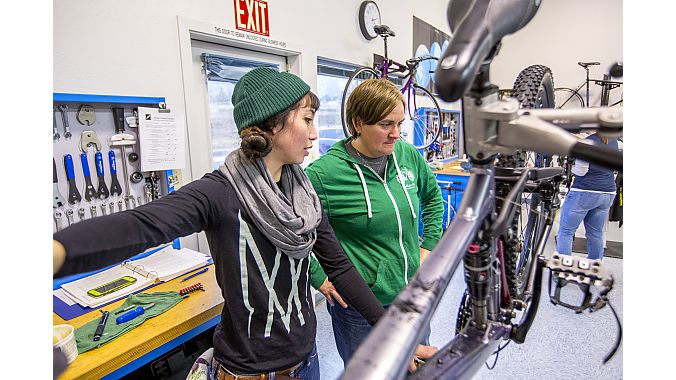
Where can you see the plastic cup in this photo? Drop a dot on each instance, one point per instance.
(63, 338)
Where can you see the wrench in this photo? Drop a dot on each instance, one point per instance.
(93, 211)
(58, 198)
(119, 205)
(87, 139)
(90, 193)
(81, 213)
(73, 193)
(103, 209)
(57, 136)
(115, 188)
(111, 205)
(69, 216)
(64, 116)
(86, 115)
(103, 189)
(122, 140)
(57, 220)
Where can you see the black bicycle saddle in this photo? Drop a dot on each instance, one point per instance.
(477, 26)
(384, 30)
(587, 64)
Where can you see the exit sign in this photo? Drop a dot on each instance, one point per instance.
(252, 16)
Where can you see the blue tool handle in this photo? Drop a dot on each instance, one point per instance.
(98, 158)
(70, 171)
(111, 158)
(128, 316)
(85, 164)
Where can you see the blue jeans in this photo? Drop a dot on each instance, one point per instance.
(592, 208)
(309, 369)
(350, 329)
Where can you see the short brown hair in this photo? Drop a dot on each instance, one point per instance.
(257, 140)
(371, 101)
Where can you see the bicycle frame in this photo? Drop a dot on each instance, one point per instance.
(491, 127)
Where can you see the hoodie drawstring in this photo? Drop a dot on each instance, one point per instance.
(401, 180)
(366, 190)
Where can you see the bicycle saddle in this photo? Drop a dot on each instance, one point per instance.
(477, 26)
(587, 64)
(384, 31)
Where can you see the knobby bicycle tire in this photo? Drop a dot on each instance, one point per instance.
(533, 88)
(567, 98)
(429, 136)
(358, 76)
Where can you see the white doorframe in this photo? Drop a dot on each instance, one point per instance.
(196, 101)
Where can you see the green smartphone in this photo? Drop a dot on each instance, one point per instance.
(112, 286)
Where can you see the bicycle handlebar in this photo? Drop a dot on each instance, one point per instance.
(596, 154)
(481, 24)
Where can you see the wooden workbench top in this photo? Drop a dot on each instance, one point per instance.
(154, 332)
(452, 168)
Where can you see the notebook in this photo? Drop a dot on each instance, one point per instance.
(161, 266)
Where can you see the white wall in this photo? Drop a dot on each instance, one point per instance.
(125, 47)
(562, 33)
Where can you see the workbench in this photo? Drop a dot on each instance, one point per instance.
(452, 180)
(155, 337)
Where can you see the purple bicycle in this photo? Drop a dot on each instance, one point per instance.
(422, 109)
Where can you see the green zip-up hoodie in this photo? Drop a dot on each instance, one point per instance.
(373, 219)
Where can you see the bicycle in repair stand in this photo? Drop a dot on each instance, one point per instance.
(428, 119)
(491, 126)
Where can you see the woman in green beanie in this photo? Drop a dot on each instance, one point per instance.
(375, 188)
(262, 218)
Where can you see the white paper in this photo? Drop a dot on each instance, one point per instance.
(63, 296)
(161, 140)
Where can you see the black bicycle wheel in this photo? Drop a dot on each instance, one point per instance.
(533, 88)
(423, 110)
(567, 98)
(358, 76)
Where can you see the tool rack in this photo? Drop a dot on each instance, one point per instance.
(77, 109)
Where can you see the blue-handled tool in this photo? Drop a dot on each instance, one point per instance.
(128, 316)
(73, 193)
(103, 189)
(115, 188)
(90, 192)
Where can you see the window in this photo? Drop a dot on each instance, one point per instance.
(331, 80)
(222, 74)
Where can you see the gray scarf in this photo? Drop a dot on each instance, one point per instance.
(288, 216)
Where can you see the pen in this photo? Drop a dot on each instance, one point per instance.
(195, 274)
(125, 309)
(101, 326)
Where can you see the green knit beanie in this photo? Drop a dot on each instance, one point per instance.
(264, 92)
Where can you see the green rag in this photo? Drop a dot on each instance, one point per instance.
(84, 335)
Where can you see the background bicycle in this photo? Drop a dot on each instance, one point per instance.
(567, 98)
(423, 115)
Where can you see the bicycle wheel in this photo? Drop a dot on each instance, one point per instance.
(567, 98)
(533, 88)
(358, 76)
(424, 112)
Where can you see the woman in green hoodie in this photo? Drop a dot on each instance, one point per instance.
(374, 188)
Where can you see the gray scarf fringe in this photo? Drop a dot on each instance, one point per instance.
(289, 216)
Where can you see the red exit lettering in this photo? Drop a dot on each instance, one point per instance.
(252, 16)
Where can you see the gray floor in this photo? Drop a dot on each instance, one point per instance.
(560, 344)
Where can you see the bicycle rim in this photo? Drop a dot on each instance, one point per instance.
(529, 234)
(425, 113)
(567, 98)
(357, 77)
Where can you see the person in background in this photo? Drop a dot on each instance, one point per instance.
(262, 218)
(589, 199)
(373, 186)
